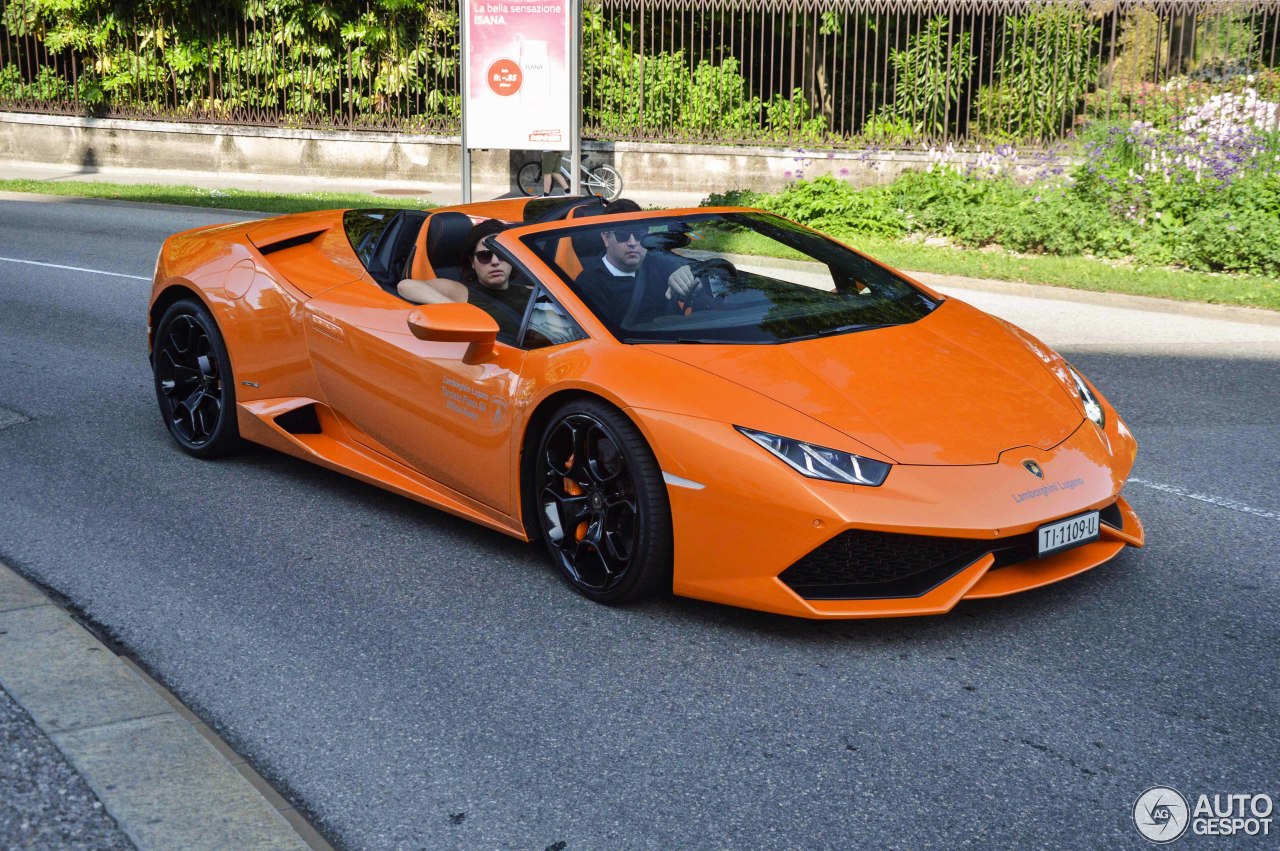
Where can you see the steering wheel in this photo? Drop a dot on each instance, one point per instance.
(717, 277)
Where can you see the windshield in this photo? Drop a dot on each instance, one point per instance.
(689, 279)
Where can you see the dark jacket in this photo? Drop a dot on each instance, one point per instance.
(610, 295)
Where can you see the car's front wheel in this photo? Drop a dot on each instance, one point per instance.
(602, 504)
(193, 380)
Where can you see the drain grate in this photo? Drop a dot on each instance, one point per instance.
(11, 418)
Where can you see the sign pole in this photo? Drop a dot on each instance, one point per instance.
(575, 111)
(462, 100)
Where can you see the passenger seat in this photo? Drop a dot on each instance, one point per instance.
(437, 253)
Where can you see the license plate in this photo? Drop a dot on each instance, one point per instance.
(1068, 533)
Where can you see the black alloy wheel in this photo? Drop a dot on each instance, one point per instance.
(602, 504)
(193, 379)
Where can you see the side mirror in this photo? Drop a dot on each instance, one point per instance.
(455, 323)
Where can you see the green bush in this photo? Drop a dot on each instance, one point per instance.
(930, 74)
(1231, 240)
(834, 206)
(51, 87)
(634, 93)
(824, 203)
(297, 58)
(1045, 67)
(735, 198)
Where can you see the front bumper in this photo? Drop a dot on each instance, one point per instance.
(753, 519)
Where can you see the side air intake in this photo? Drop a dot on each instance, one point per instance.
(300, 420)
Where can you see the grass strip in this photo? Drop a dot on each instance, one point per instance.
(221, 199)
(1074, 272)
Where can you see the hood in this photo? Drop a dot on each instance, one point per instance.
(956, 387)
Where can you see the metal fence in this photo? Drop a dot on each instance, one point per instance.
(888, 73)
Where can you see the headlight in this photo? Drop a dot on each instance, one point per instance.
(1092, 407)
(819, 462)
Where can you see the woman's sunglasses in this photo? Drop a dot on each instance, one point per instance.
(484, 256)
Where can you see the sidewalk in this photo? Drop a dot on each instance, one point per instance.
(442, 194)
(95, 754)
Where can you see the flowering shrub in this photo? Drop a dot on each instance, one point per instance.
(1228, 114)
(1124, 102)
(1200, 190)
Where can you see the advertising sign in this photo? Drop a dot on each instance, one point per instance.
(518, 93)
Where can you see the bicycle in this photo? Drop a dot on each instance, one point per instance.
(603, 180)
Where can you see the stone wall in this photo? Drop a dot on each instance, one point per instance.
(89, 143)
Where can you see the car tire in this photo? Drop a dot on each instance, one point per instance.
(194, 384)
(529, 178)
(601, 504)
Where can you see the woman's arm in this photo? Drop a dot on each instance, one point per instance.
(434, 291)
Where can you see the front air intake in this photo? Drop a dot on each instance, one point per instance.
(863, 565)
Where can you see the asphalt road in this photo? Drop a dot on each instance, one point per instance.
(414, 681)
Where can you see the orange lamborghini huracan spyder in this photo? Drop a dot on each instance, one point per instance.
(654, 395)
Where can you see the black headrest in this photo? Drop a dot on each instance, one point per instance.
(587, 245)
(446, 234)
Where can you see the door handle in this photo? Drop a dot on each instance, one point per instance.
(329, 329)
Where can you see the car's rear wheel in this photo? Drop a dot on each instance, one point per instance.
(194, 385)
(602, 504)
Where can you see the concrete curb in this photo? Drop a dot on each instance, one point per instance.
(167, 780)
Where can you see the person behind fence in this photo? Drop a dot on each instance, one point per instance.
(609, 281)
(488, 283)
(551, 172)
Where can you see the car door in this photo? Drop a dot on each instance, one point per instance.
(414, 400)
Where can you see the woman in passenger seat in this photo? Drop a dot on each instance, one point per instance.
(486, 283)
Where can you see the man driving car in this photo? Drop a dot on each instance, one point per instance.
(666, 282)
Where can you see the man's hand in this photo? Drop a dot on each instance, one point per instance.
(682, 284)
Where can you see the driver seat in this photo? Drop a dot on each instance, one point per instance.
(571, 249)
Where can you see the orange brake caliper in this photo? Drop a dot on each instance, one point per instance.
(573, 489)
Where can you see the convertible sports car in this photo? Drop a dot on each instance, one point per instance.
(817, 436)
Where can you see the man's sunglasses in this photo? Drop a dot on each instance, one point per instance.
(624, 235)
(484, 255)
